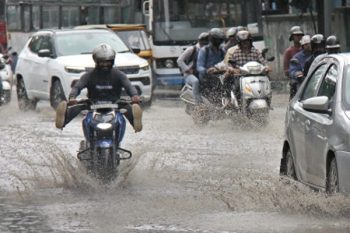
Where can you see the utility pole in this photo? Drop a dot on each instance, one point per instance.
(328, 10)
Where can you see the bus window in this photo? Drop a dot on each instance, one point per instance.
(93, 15)
(36, 17)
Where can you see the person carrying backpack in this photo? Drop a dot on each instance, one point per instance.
(187, 62)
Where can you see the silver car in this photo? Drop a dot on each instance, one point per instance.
(316, 148)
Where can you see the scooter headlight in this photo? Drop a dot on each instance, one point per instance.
(104, 126)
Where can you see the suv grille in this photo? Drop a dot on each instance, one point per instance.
(129, 69)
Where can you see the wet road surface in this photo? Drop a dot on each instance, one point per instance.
(182, 178)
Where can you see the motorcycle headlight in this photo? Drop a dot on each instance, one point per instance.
(104, 126)
(74, 69)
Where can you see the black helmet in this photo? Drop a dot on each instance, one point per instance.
(203, 38)
(243, 36)
(295, 30)
(317, 39)
(216, 36)
(231, 32)
(216, 33)
(332, 42)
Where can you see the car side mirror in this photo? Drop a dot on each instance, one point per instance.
(44, 53)
(318, 104)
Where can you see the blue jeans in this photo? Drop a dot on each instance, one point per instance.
(194, 82)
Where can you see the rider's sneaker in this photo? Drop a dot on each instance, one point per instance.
(137, 114)
(61, 114)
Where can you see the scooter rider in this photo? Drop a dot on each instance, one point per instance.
(318, 47)
(245, 52)
(211, 54)
(332, 45)
(103, 83)
(297, 63)
(187, 62)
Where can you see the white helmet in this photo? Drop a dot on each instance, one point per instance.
(231, 32)
(305, 40)
(103, 52)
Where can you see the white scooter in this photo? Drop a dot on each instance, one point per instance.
(253, 99)
(249, 95)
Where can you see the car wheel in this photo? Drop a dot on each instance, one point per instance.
(332, 183)
(56, 94)
(290, 167)
(24, 103)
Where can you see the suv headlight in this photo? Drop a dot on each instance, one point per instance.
(74, 69)
(144, 66)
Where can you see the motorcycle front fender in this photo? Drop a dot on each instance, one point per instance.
(258, 104)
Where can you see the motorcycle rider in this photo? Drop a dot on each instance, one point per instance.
(231, 38)
(296, 65)
(318, 47)
(295, 35)
(103, 83)
(332, 45)
(187, 62)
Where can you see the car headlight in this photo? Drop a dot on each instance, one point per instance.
(74, 69)
(144, 66)
(104, 126)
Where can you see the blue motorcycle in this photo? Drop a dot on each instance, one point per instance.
(104, 129)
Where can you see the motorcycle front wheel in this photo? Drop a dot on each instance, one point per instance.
(105, 167)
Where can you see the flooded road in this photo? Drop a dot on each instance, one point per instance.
(221, 178)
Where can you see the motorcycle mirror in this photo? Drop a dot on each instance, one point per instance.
(294, 61)
(270, 58)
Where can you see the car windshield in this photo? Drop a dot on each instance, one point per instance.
(83, 42)
(346, 88)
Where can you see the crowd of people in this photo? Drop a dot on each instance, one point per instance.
(199, 62)
(236, 47)
(298, 58)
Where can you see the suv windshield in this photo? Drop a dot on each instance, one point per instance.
(83, 42)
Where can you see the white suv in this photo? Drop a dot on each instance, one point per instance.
(53, 60)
